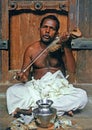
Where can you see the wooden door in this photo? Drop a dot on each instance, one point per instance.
(22, 30)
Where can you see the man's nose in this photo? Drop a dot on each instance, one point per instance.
(47, 29)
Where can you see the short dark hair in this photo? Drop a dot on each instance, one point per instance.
(53, 18)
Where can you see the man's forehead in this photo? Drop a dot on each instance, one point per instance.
(49, 22)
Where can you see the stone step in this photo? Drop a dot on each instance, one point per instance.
(2, 95)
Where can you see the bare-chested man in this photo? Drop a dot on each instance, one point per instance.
(49, 61)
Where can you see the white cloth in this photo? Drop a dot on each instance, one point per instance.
(51, 86)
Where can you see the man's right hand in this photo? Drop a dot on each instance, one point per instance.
(20, 76)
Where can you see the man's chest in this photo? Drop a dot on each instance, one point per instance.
(46, 60)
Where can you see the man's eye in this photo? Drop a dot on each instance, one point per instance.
(44, 27)
(53, 28)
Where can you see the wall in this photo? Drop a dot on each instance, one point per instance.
(84, 57)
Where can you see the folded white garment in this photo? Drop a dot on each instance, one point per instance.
(51, 86)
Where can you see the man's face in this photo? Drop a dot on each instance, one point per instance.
(48, 31)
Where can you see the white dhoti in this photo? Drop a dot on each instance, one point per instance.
(65, 96)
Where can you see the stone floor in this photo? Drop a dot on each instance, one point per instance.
(83, 118)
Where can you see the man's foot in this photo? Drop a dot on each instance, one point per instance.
(70, 113)
(19, 111)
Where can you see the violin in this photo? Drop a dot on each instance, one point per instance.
(57, 43)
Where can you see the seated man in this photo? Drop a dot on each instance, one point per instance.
(48, 80)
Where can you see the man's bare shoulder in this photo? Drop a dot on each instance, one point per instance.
(33, 46)
(32, 49)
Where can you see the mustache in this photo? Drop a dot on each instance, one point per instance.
(46, 35)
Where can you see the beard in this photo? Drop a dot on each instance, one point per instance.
(46, 41)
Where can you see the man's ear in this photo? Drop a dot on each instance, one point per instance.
(57, 33)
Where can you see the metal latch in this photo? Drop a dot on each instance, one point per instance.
(82, 43)
(3, 44)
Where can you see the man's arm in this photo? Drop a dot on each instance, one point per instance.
(68, 56)
(23, 76)
(69, 60)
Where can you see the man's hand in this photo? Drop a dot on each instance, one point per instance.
(64, 37)
(65, 40)
(21, 77)
(67, 44)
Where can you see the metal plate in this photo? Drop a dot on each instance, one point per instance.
(38, 4)
(3, 44)
(82, 43)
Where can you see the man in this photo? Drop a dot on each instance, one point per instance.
(48, 75)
